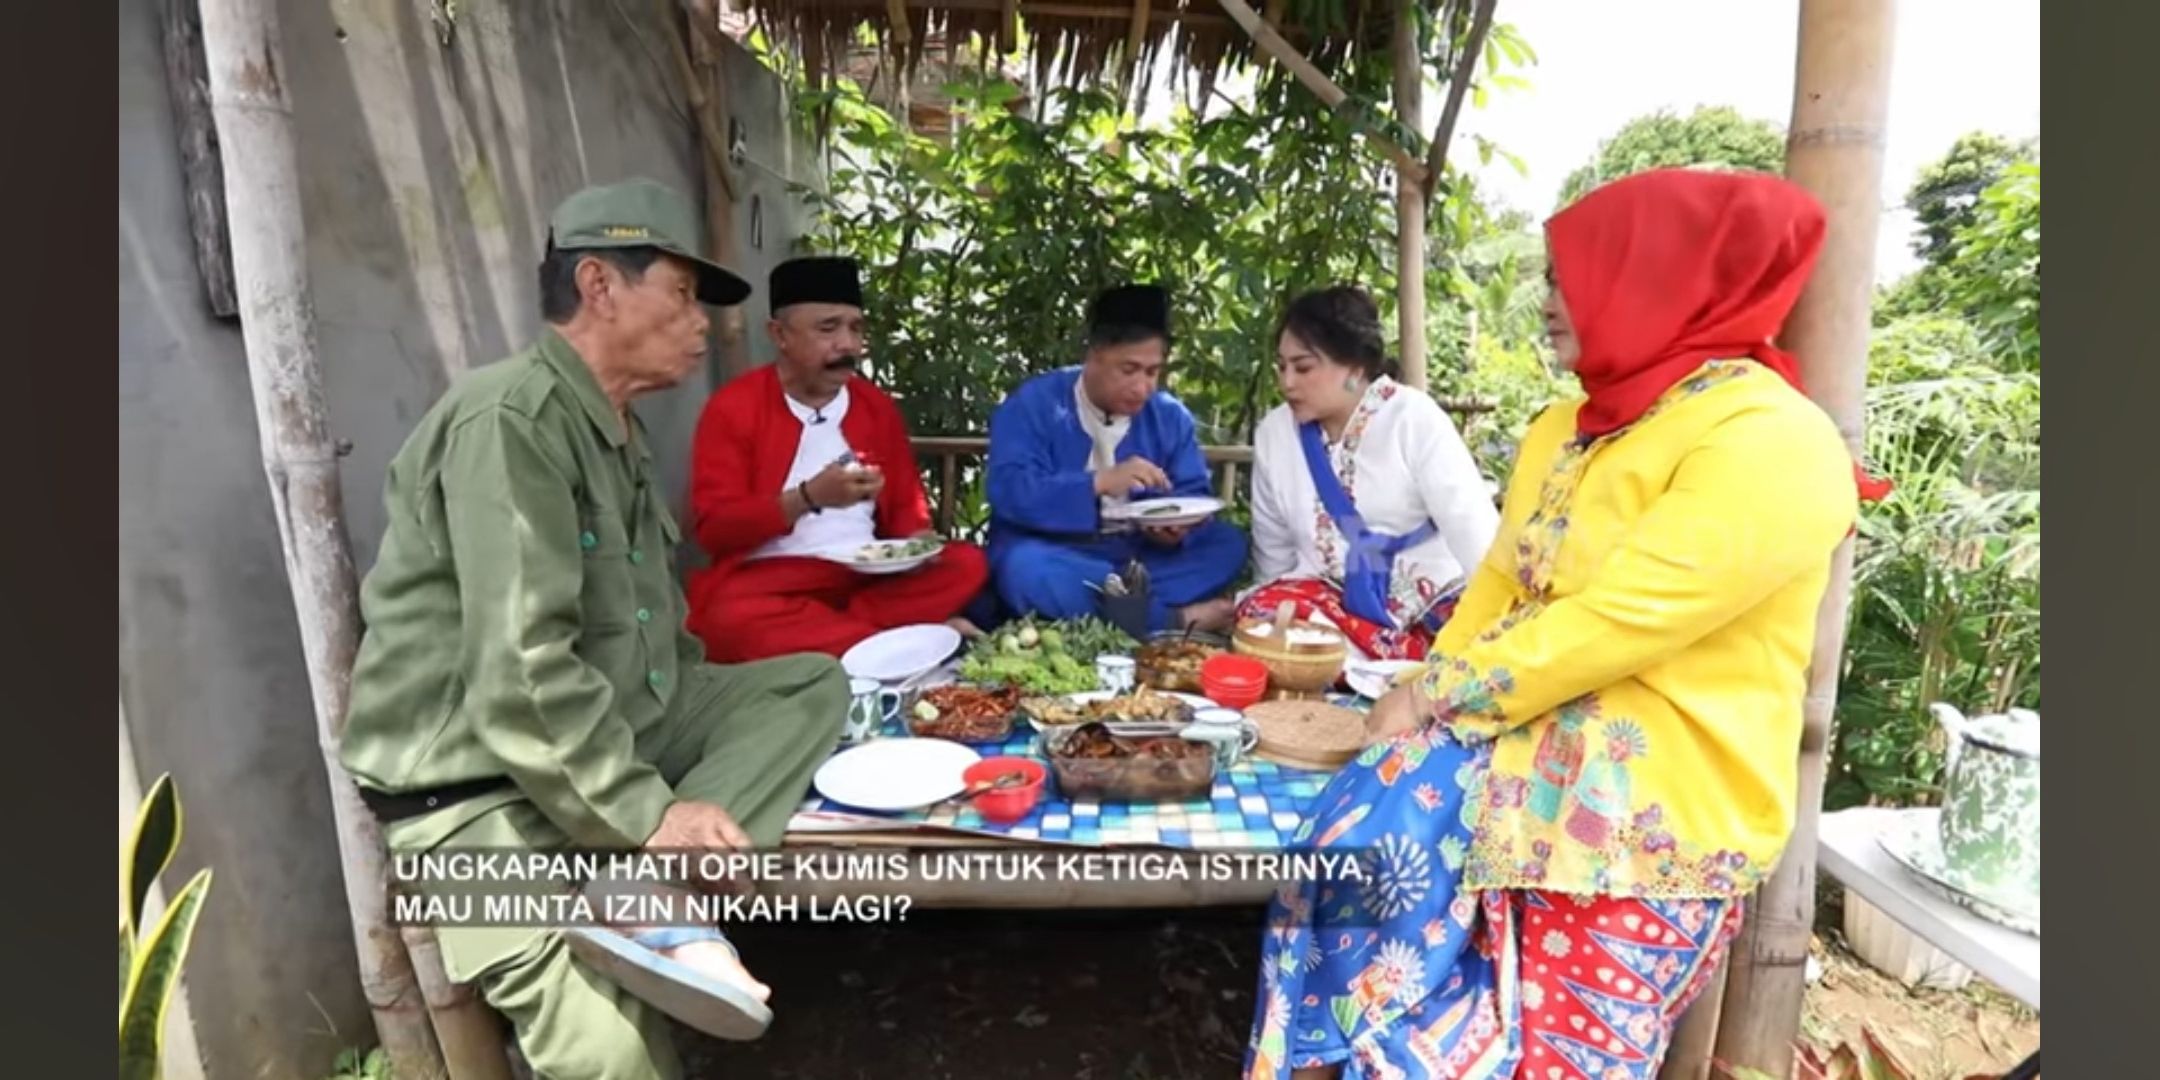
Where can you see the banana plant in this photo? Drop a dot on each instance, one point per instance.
(150, 962)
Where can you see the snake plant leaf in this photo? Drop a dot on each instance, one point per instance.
(151, 982)
(127, 959)
(150, 847)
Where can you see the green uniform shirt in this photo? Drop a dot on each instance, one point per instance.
(523, 618)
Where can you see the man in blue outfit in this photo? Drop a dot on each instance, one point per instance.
(1069, 444)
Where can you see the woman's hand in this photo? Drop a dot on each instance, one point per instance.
(1398, 712)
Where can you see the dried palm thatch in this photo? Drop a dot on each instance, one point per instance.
(1085, 43)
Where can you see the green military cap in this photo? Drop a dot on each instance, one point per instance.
(643, 213)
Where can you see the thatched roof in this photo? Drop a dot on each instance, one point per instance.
(1075, 43)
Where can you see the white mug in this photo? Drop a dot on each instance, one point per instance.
(1114, 673)
(870, 706)
(1227, 733)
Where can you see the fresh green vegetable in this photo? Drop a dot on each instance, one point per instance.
(1043, 656)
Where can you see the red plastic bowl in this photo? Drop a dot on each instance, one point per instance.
(1232, 669)
(1008, 804)
(1233, 681)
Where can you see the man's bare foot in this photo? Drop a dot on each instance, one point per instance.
(1209, 616)
(967, 629)
(710, 958)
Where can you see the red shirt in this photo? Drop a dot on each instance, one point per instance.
(745, 446)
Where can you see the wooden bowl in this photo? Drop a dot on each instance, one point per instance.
(1308, 667)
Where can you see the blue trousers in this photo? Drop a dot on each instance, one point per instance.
(1051, 578)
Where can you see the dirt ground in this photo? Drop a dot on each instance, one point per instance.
(1160, 996)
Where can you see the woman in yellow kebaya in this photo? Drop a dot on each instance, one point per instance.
(1599, 760)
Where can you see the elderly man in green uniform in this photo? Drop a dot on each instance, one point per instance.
(526, 682)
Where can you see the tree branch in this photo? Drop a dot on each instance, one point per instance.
(1458, 86)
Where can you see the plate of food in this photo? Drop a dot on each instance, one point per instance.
(1171, 662)
(975, 715)
(887, 556)
(1144, 707)
(1171, 511)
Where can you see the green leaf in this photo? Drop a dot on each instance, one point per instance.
(127, 958)
(150, 847)
(151, 983)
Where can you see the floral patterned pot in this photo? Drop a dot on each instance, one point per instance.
(1990, 828)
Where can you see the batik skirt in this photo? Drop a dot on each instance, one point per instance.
(1401, 974)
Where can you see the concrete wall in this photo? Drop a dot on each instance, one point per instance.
(427, 172)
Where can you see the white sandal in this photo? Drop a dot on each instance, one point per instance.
(633, 959)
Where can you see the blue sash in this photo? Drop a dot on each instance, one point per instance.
(1369, 563)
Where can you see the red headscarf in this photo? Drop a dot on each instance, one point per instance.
(1666, 270)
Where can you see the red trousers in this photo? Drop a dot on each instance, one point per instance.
(772, 607)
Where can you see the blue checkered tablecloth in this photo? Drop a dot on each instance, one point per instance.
(1255, 805)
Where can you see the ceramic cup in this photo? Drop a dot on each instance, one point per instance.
(1114, 674)
(1226, 731)
(870, 707)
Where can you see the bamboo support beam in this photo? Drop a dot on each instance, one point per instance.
(722, 190)
(1330, 94)
(903, 35)
(1841, 95)
(1410, 201)
(712, 134)
(248, 97)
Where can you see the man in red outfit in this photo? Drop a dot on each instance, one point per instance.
(802, 459)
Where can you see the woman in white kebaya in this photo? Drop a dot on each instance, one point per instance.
(1368, 511)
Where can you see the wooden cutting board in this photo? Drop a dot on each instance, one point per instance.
(1307, 734)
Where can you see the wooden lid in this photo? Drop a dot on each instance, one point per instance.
(1307, 734)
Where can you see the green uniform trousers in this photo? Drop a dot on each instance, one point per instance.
(744, 737)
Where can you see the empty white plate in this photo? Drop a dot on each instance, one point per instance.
(895, 774)
(902, 652)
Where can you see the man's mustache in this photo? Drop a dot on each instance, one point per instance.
(846, 363)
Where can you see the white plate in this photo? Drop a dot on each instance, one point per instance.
(1175, 510)
(1374, 678)
(853, 559)
(895, 774)
(1916, 844)
(902, 652)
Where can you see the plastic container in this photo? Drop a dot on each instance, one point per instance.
(1234, 681)
(1007, 804)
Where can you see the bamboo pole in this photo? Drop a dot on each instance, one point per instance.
(1274, 45)
(1410, 200)
(1841, 92)
(722, 188)
(277, 322)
